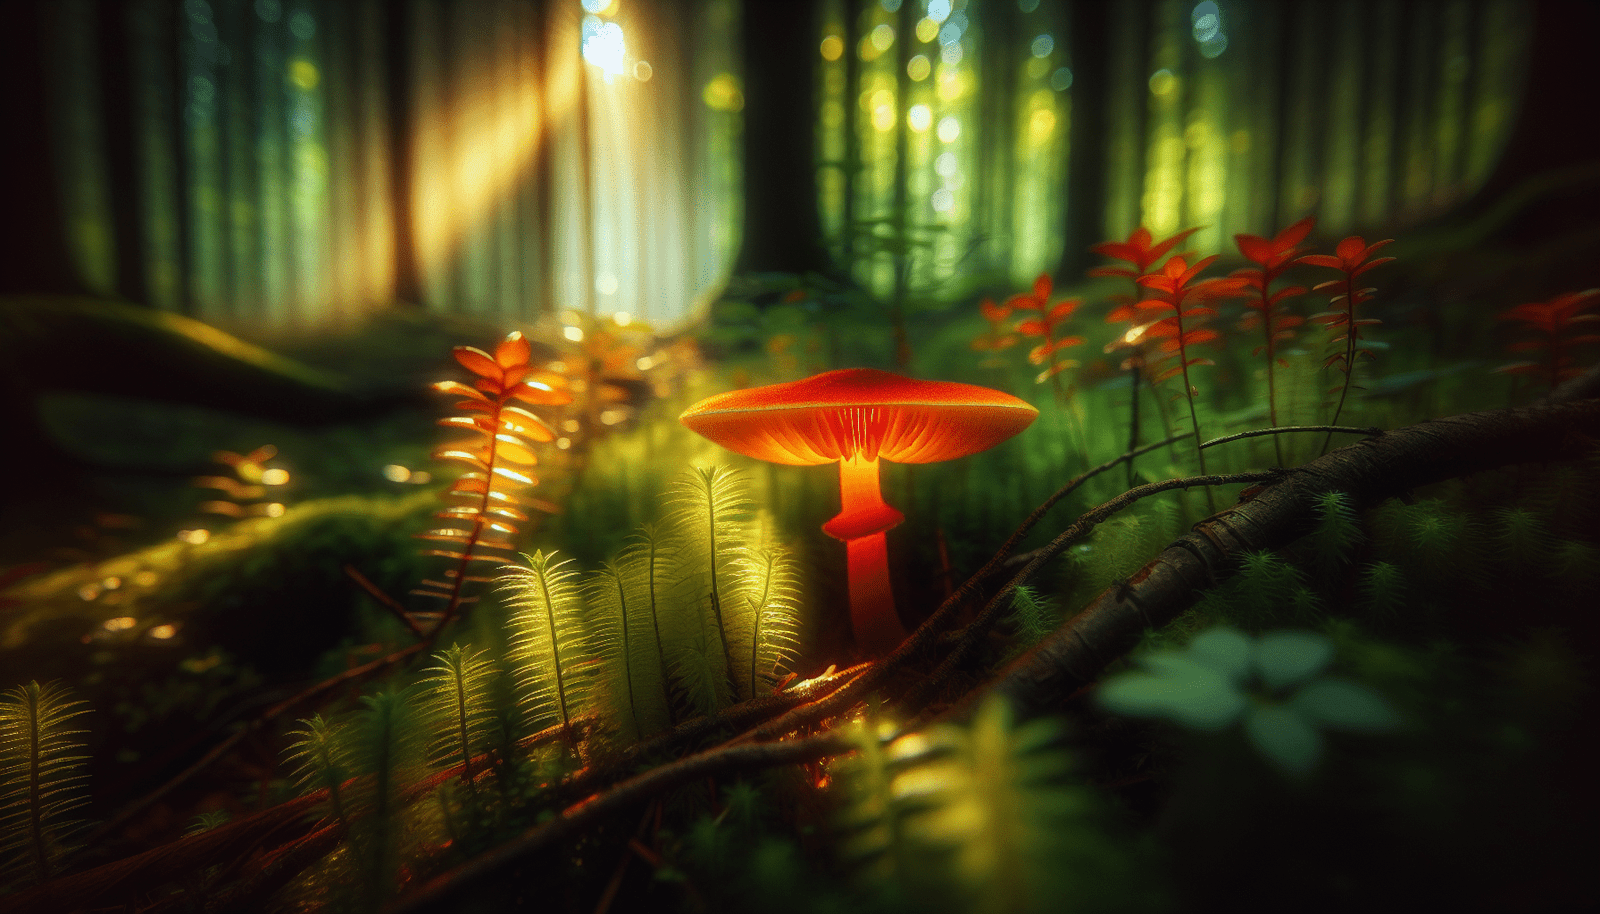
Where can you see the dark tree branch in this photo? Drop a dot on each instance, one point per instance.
(979, 626)
(446, 891)
(386, 601)
(1368, 472)
(927, 634)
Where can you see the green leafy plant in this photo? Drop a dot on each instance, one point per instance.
(554, 655)
(622, 590)
(1032, 616)
(708, 514)
(1337, 534)
(458, 693)
(772, 606)
(41, 779)
(365, 761)
(1273, 685)
(321, 761)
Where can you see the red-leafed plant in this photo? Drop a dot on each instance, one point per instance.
(1000, 335)
(1272, 258)
(488, 501)
(1554, 321)
(1179, 299)
(1050, 316)
(1140, 252)
(1353, 257)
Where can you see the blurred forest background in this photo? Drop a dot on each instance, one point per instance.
(278, 165)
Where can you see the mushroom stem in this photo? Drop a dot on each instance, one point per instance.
(861, 506)
(877, 627)
(862, 520)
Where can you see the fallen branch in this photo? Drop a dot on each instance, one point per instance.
(261, 720)
(445, 892)
(1081, 528)
(1275, 515)
(927, 634)
(384, 600)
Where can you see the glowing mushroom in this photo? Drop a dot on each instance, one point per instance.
(857, 416)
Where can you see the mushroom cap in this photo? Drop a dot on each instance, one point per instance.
(860, 412)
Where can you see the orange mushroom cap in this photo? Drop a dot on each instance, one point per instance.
(860, 412)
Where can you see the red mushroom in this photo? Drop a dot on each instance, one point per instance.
(857, 416)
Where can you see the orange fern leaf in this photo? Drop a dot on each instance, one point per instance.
(486, 504)
(1044, 327)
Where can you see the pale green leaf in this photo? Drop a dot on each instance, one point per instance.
(1288, 658)
(1344, 705)
(1284, 737)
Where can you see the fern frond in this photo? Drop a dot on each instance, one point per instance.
(551, 654)
(206, 821)
(768, 623)
(649, 567)
(1032, 616)
(1383, 587)
(985, 818)
(708, 513)
(1524, 541)
(488, 503)
(458, 702)
(620, 594)
(1337, 534)
(387, 744)
(1265, 588)
(321, 760)
(700, 676)
(868, 821)
(41, 779)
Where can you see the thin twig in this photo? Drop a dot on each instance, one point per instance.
(386, 601)
(270, 714)
(1401, 460)
(1079, 529)
(440, 893)
(928, 632)
(1256, 432)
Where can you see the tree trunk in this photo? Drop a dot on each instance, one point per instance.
(782, 231)
(37, 257)
(1085, 211)
(121, 149)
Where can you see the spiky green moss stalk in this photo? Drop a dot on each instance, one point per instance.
(40, 778)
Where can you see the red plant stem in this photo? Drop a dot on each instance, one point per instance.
(1272, 358)
(453, 607)
(1555, 358)
(1349, 351)
(1188, 395)
(1135, 370)
(1055, 374)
